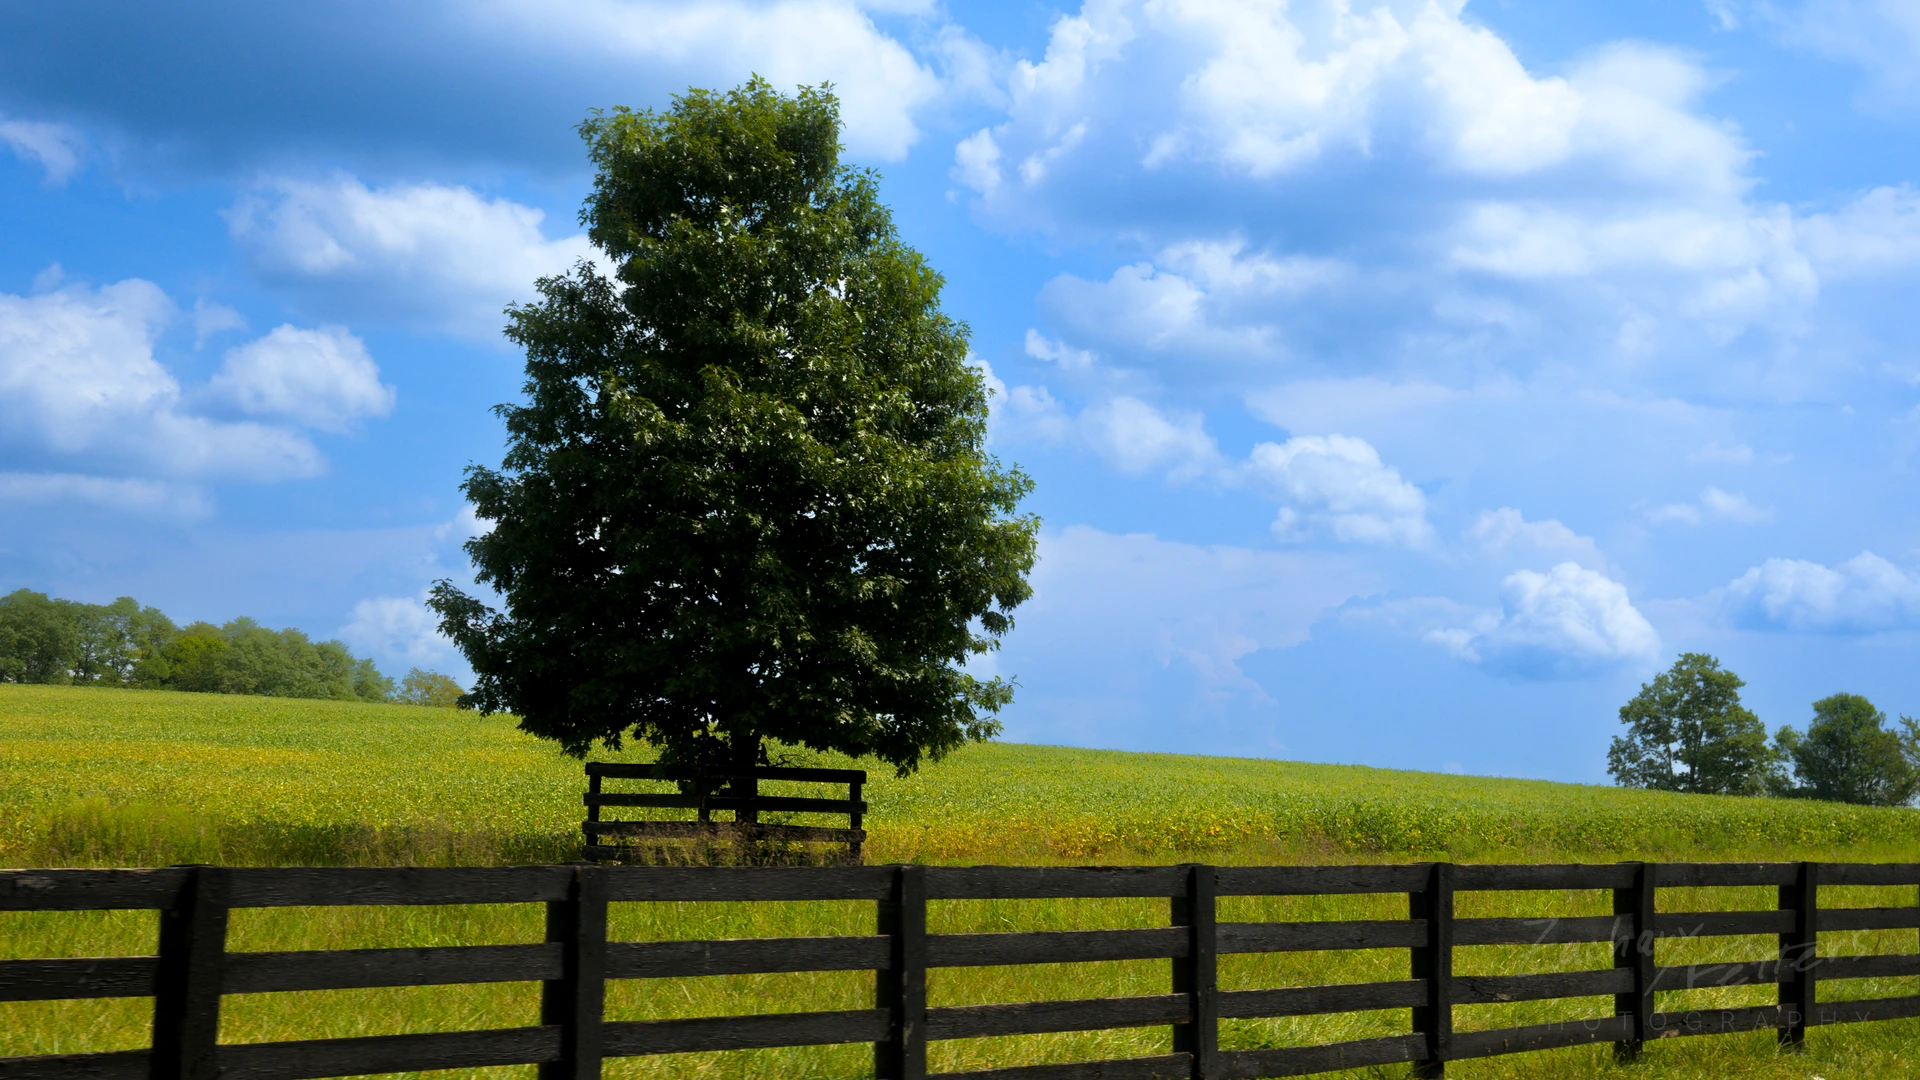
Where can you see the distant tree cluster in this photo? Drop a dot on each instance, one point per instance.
(1687, 731)
(65, 642)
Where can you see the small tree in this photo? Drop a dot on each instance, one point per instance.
(1850, 755)
(747, 497)
(429, 688)
(1687, 731)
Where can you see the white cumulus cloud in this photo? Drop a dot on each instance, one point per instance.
(1862, 595)
(421, 253)
(1565, 623)
(1337, 485)
(79, 384)
(1505, 535)
(321, 378)
(401, 631)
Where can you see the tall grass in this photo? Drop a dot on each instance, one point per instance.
(96, 777)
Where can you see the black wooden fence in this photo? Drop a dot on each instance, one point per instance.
(194, 968)
(711, 790)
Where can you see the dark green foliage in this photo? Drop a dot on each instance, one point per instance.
(116, 639)
(244, 657)
(1850, 755)
(429, 688)
(45, 640)
(747, 497)
(1687, 731)
(38, 640)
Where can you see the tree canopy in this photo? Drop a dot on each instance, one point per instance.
(746, 497)
(1848, 754)
(1687, 731)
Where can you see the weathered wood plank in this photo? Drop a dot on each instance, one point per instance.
(634, 1038)
(729, 802)
(113, 1065)
(1870, 873)
(685, 883)
(744, 956)
(388, 1053)
(1321, 880)
(1048, 882)
(1675, 1025)
(1896, 918)
(89, 890)
(1686, 924)
(687, 830)
(1317, 1000)
(1868, 967)
(86, 977)
(1708, 875)
(1854, 1012)
(1264, 937)
(410, 885)
(1494, 989)
(1055, 947)
(1548, 931)
(271, 972)
(1519, 1040)
(1304, 1060)
(1704, 976)
(1040, 1017)
(1501, 878)
(1160, 1067)
(671, 772)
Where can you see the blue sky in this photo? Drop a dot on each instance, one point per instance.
(1404, 383)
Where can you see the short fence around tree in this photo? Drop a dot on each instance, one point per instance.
(709, 790)
(194, 968)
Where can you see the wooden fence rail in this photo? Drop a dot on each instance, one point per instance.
(193, 968)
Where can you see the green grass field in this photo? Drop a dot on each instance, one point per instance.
(102, 777)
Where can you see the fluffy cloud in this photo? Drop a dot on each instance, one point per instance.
(54, 147)
(1337, 484)
(1505, 535)
(1714, 505)
(79, 383)
(1565, 623)
(401, 631)
(881, 84)
(321, 378)
(424, 253)
(1130, 435)
(1862, 595)
(479, 81)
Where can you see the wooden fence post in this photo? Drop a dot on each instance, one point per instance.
(902, 987)
(1433, 962)
(1197, 975)
(576, 1001)
(1799, 954)
(186, 996)
(854, 821)
(1633, 944)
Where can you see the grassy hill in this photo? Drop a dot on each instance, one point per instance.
(96, 776)
(92, 776)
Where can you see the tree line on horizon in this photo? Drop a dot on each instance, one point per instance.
(51, 641)
(1688, 732)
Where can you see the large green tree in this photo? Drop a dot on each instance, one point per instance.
(38, 641)
(1687, 731)
(1848, 754)
(747, 496)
